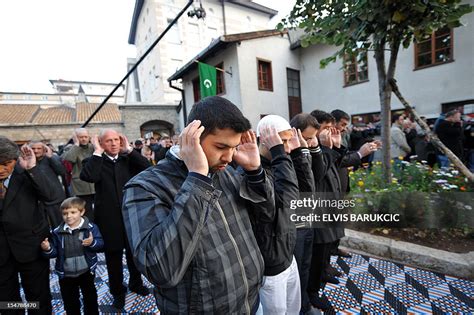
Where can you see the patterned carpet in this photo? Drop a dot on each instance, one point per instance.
(369, 285)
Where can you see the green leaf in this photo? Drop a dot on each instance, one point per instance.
(304, 43)
(398, 17)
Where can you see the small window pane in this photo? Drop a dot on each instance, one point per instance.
(424, 60)
(443, 42)
(442, 55)
(424, 47)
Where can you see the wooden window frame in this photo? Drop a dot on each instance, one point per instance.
(432, 39)
(220, 79)
(269, 75)
(196, 89)
(355, 62)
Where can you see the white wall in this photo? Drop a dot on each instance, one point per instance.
(242, 86)
(232, 83)
(256, 102)
(425, 89)
(194, 34)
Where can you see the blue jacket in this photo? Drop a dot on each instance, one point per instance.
(90, 252)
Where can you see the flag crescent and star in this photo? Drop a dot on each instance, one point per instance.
(207, 80)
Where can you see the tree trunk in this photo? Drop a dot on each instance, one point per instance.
(385, 92)
(433, 138)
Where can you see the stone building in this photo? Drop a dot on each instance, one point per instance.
(184, 40)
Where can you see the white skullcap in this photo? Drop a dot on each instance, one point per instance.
(280, 123)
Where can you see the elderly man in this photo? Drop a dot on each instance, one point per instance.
(52, 167)
(22, 228)
(81, 149)
(114, 163)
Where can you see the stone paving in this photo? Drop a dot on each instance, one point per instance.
(368, 285)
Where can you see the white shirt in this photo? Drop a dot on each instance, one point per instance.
(69, 229)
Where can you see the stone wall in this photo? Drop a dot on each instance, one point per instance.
(135, 115)
(55, 134)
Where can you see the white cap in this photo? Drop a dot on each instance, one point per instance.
(280, 123)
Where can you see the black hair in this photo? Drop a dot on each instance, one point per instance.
(8, 150)
(395, 117)
(216, 112)
(451, 113)
(340, 114)
(303, 121)
(322, 116)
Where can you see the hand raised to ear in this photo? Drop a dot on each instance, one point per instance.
(247, 154)
(191, 150)
(27, 158)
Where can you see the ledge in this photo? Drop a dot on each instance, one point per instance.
(455, 264)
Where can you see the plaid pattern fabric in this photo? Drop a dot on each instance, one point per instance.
(193, 240)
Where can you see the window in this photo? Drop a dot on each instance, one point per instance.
(264, 70)
(436, 49)
(293, 78)
(220, 89)
(355, 68)
(196, 90)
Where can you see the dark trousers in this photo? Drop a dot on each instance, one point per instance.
(70, 294)
(89, 199)
(34, 280)
(53, 213)
(319, 261)
(115, 271)
(303, 251)
(334, 247)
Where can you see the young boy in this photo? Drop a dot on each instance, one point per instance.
(75, 243)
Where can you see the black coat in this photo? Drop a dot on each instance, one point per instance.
(348, 160)
(52, 168)
(23, 226)
(325, 168)
(451, 134)
(277, 238)
(109, 179)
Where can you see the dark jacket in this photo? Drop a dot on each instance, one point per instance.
(451, 134)
(160, 153)
(192, 238)
(52, 168)
(23, 226)
(57, 246)
(328, 185)
(349, 159)
(277, 238)
(109, 179)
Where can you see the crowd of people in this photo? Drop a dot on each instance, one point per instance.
(203, 216)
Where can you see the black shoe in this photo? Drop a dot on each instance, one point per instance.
(333, 271)
(318, 302)
(343, 253)
(119, 301)
(329, 279)
(141, 290)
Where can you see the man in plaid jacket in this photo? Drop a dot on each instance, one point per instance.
(187, 219)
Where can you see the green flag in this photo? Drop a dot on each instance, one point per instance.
(207, 80)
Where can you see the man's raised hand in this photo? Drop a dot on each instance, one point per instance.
(27, 158)
(294, 141)
(247, 155)
(97, 147)
(191, 151)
